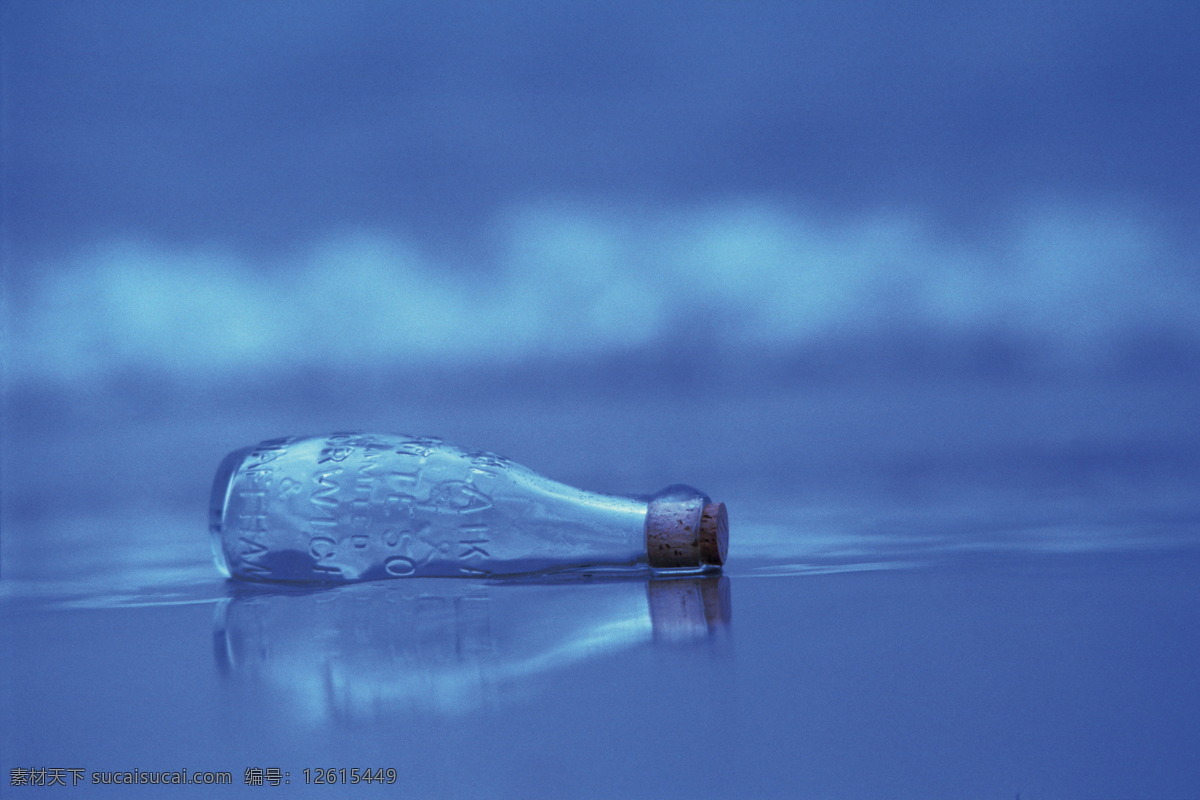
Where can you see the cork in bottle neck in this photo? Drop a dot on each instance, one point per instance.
(685, 529)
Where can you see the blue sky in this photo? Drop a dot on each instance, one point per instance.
(218, 185)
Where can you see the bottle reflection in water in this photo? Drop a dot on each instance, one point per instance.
(351, 507)
(370, 650)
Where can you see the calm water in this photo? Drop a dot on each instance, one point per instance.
(904, 614)
(1054, 676)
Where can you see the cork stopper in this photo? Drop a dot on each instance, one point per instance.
(714, 534)
(685, 529)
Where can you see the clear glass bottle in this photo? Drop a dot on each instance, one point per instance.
(356, 506)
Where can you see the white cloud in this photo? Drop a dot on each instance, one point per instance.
(580, 281)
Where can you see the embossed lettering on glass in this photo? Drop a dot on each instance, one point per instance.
(353, 506)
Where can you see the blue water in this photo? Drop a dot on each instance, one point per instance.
(1061, 676)
(907, 613)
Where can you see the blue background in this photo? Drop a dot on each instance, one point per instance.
(210, 191)
(914, 288)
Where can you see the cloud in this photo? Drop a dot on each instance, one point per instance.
(590, 281)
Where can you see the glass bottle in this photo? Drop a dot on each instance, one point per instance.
(356, 506)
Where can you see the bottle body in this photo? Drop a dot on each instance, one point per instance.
(351, 506)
